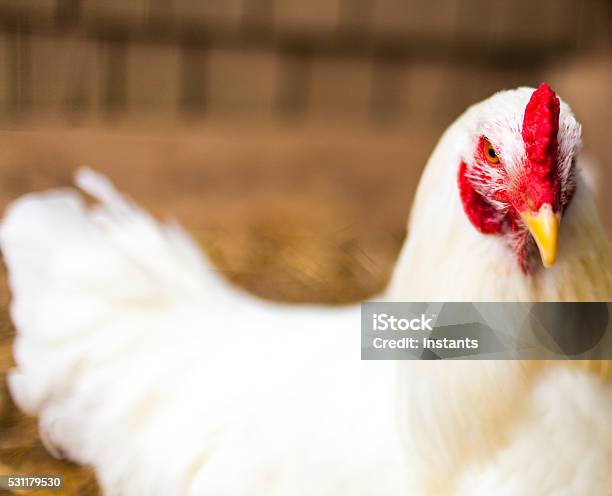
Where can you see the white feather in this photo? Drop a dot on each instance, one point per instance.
(139, 361)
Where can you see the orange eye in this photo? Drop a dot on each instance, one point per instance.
(490, 153)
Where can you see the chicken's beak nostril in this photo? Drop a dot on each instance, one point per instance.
(544, 227)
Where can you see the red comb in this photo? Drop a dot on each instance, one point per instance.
(540, 127)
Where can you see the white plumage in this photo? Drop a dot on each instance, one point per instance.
(143, 363)
(140, 361)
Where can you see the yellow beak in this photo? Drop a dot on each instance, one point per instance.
(544, 227)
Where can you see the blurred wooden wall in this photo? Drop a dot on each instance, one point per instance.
(359, 61)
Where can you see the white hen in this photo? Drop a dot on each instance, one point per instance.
(142, 363)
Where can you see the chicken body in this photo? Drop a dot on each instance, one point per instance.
(141, 362)
(501, 427)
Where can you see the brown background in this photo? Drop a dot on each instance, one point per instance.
(287, 135)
